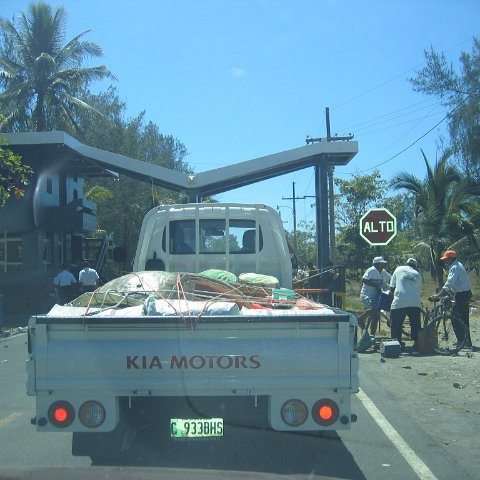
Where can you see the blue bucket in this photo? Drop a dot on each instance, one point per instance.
(385, 301)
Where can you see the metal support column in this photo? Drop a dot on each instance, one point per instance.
(331, 214)
(321, 194)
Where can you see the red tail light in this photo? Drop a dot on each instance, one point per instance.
(325, 412)
(61, 414)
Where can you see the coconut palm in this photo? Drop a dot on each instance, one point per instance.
(444, 204)
(41, 77)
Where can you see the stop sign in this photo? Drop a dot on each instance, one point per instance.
(378, 226)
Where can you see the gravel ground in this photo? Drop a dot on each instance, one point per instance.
(441, 393)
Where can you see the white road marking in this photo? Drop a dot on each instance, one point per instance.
(400, 444)
(10, 418)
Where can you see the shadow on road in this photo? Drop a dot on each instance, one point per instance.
(263, 451)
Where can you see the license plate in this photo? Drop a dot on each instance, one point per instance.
(196, 427)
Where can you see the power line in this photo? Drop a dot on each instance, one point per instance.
(417, 140)
(397, 76)
(359, 124)
(371, 123)
(406, 122)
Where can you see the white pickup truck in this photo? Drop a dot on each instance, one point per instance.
(187, 356)
(194, 237)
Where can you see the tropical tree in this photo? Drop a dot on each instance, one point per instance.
(306, 239)
(355, 198)
(444, 203)
(459, 91)
(14, 174)
(40, 76)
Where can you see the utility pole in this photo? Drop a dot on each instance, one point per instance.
(293, 198)
(324, 196)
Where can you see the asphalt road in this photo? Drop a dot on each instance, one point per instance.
(392, 439)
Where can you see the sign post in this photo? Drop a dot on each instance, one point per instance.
(378, 226)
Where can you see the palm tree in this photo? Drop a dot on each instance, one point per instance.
(444, 204)
(41, 77)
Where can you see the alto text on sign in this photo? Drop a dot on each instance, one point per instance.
(378, 226)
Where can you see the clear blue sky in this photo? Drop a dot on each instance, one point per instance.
(235, 80)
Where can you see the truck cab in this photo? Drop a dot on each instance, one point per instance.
(239, 238)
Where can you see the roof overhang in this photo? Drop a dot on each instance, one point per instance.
(90, 161)
(270, 166)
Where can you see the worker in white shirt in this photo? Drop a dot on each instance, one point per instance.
(374, 281)
(406, 288)
(64, 283)
(88, 278)
(459, 283)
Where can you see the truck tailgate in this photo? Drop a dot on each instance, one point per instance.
(210, 356)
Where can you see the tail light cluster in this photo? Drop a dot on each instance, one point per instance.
(61, 414)
(325, 412)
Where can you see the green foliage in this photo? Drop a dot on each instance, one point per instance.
(306, 243)
(445, 206)
(98, 194)
(355, 198)
(14, 175)
(460, 93)
(353, 251)
(40, 76)
(402, 206)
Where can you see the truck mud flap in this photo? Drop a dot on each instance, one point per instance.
(105, 445)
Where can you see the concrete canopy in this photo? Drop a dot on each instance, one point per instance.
(90, 161)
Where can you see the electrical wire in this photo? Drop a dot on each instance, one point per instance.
(366, 92)
(386, 122)
(418, 120)
(359, 124)
(415, 141)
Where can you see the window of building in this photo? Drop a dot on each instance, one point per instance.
(47, 249)
(49, 185)
(60, 256)
(10, 252)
